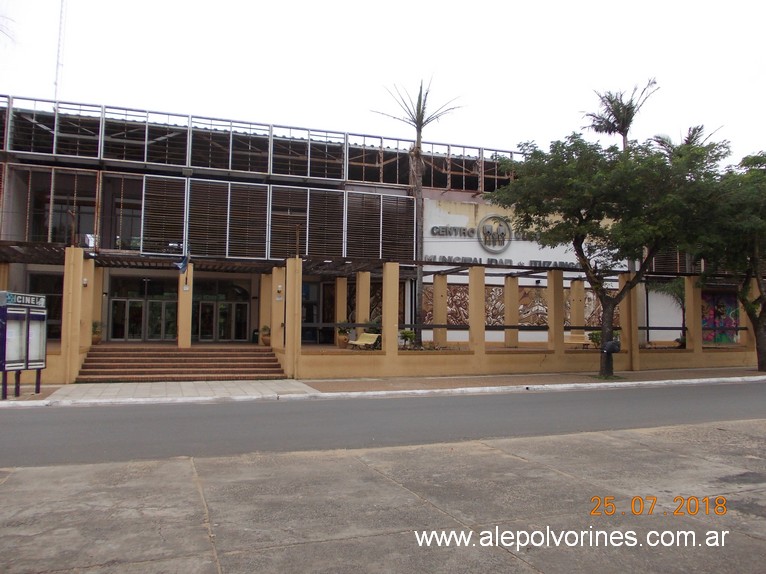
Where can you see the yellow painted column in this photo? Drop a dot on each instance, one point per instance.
(362, 299)
(341, 302)
(477, 312)
(87, 315)
(255, 302)
(440, 309)
(293, 315)
(511, 315)
(99, 297)
(555, 299)
(185, 298)
(5, 275)
(71, 313)
(390, 321)
(277, 318)
(629, 325)
(265, 299)
(693, 303)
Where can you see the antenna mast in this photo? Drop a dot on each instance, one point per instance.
(59, 50)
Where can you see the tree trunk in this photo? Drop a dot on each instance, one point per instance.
(760, 340)
(608, 306)
(755, 309)
(416, 180)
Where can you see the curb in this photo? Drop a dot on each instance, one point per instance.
(557, 387)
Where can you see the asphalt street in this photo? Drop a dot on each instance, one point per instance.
(93, 434)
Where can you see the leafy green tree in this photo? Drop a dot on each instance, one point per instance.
(609, 206)
(414, 112)
(735, 242)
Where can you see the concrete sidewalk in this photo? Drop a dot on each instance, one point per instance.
(195, 391)
(670, 499)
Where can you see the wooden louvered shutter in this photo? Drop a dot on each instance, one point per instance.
(363, 225)
(398, 228)
(325, 223)
(248, 219)
(163, 216)
(288, 221)
(208, 206)
(671, 260)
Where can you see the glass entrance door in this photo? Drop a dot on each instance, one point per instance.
(220, 321)
(225, 320)
(204, 313)
(161, 320)
(220, 311)
(143, 309)
(126, 318)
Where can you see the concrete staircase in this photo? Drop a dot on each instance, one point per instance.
(128, 363)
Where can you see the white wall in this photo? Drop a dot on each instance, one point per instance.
(663, 312)
(467, 216)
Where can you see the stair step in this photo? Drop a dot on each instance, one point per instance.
(165, 347)
(172, 371)
(161, 362)
(216, 362)
(175, 378)
(181, 354)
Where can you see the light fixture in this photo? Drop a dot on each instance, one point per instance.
(84, 281)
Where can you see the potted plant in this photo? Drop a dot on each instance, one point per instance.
(266, 335)
(343, 337)
(408, 336)
(96, 332)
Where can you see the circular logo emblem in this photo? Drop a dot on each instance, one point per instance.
(494, 233)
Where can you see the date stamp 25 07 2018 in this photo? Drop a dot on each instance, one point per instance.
(644, 505)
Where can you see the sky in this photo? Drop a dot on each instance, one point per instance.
(520, 71)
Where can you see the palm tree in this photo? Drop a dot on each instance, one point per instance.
(616, 114)
(415, 113)
(695, 140)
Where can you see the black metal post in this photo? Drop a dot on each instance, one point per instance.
(38, 378)
(5, 385)
(17, 385)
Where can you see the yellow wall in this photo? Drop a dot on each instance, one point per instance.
(480, 358)
(321, 364)
(281, 309)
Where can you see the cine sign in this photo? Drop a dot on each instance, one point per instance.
(23, 338)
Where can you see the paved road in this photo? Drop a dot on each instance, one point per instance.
(71, 435)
